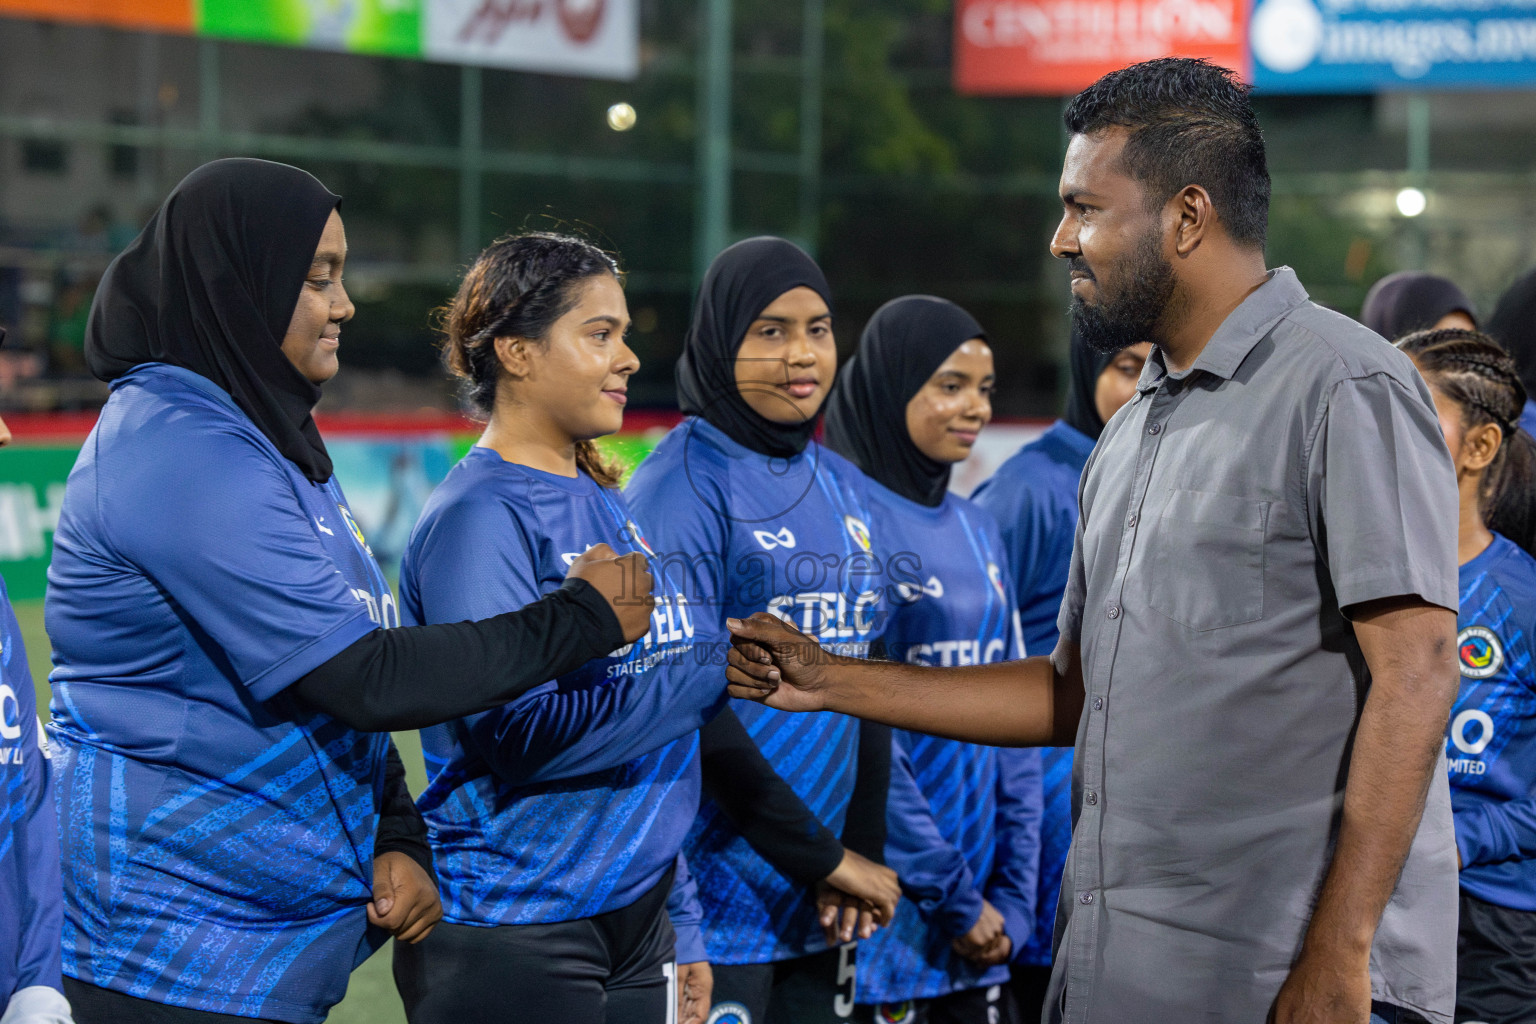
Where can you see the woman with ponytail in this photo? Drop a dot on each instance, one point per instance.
(1492, 741)
(556, 820)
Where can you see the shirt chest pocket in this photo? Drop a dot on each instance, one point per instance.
(1203, 560)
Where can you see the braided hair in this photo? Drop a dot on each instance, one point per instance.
(518, 287)
(1475, 372)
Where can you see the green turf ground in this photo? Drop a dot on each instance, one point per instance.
(371, 999)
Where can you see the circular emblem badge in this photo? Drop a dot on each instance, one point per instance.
(894, 1013)
(729, 1013)
(1480, 652)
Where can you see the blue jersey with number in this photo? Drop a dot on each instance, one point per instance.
(792, 536)
(217, 836)
(572, 800)
(31, 907)
(1491, 744)
(963, 821)
(1033, 497)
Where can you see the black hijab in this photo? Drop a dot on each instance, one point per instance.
(1411, 301)
(1513, 325)
(741, 283)
(903, 344)
(210, 285)
(1084, 365)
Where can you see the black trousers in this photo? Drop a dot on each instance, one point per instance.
(814, 989)
(615, 968)
(95, 1005)
(1029, 983)
(1495, 964)
(992, 1004)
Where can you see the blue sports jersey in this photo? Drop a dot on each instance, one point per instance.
(572, 800)
(963, 821)
(31, 908)
(791, 536)
(1033, 496)
(687, 915)
(1491, 743)
(217, 836)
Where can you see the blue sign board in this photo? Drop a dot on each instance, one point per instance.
(1367, 45)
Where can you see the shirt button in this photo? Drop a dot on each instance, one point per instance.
(1085, 898)
(1091, 798)
(1131, 522)
(1154, 428)
(1114, 611)
(1098, 703)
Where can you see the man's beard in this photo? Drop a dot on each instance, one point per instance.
(1129, 317)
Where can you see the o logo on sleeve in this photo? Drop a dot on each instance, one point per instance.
(1480, 652)
(1459, 732)
(10, 720)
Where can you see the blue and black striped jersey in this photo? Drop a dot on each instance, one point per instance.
(792, 536)
(963, 822)
(1491, 744)
(572, 800)
(217, 835)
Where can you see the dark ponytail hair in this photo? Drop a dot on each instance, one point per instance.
(518, 287)
(1476, 373)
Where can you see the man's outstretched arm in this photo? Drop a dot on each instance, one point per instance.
(1033, 702)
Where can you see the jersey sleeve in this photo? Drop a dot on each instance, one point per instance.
(1013, 887)
(220, 530)
(933, 873)
(1487, 833)
(477, 561)
(36, 836)
(1025, 521)
(687, 914)
(1382, 495)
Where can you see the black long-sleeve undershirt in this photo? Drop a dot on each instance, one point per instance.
(412, 677)
(864, 826)
(401, 826)
(770, 816)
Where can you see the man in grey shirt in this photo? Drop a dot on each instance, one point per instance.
(1257, 653)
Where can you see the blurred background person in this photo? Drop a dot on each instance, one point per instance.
(1410, 301)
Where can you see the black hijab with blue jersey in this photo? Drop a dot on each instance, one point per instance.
(903, 344)
(743, 281)
(210, 285)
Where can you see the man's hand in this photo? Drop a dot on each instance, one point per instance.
(404, 898)
(773, 662)
(986, 943)
(1325, 990)
(625, 583)
(695, 986)
(856, 898)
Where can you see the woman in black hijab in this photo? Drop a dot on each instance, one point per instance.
(1513, 325)
(228, 654)
(1410, 300)
(758, 516)
(964, 819)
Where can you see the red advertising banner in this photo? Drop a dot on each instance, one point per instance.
(1057, 47)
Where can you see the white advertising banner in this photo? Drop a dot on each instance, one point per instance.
(592, 38)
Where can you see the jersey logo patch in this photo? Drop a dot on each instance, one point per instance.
(769, 541)
(894, 1013)
(1480, 651)
(996, 576)
(858, 531)
(729, 1013)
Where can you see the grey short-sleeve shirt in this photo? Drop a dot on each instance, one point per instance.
(1229, 512)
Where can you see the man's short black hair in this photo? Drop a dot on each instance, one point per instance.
(1190, 123)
